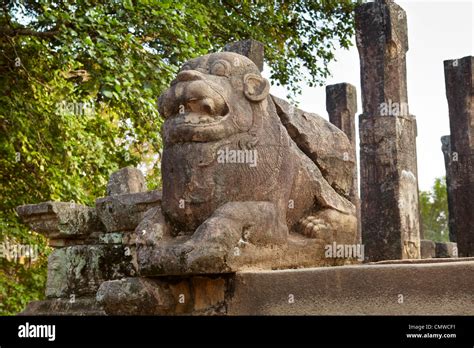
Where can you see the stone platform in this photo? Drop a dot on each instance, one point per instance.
(441, 287)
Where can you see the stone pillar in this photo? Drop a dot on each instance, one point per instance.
(389, 184)
(459, 76)
(341, 105)
(252, 49)
(450, 180)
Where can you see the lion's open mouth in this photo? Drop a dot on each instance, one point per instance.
(202, 112)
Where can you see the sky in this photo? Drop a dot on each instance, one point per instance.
(437, 31)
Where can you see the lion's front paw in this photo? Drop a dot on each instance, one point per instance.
(330, 226)
(316, 227)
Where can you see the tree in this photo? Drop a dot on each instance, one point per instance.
(80, 80)
(434, 212)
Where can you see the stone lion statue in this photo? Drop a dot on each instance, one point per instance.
(248, 180)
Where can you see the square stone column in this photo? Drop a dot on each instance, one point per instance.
(341, 105)
(252, 49)
(459, 77)
(389, 178)
(451, 178)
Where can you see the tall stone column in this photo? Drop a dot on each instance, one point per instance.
(341, 105)
(451, 179)
(389, 184)
(459, 76)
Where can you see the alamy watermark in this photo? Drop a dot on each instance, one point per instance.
(76, 108)
(18, 252)
(344, 251)
(391, 108)
(237, 156)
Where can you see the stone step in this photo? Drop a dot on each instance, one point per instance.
(440, 288)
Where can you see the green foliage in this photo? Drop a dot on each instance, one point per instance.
(434, 212)
(116, 57)
(21, 280)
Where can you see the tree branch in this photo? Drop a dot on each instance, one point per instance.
(28, 32)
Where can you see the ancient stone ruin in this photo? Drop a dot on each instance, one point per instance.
(260, 201)
(458, 150)
(388, 168)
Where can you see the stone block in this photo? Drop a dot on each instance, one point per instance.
(447, 249)
(443, 288)
(86, 306)
(252, 49)
(58, 220)
(208, 292)
(126, 180)
(163, 296)
(124, 212)
(135, 296)
(79, 270)
(111, 238)
(428, 249)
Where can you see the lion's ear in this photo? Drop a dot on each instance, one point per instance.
(255, 87)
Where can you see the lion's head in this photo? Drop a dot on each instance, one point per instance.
(212, 98)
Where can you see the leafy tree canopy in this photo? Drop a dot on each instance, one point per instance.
(434, 212)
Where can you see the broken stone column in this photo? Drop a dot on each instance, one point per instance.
(252, 49)
(459, 76)
(389, 185)
(451, 177)
(341, 105)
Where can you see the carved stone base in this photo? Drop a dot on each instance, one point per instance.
(403, 287)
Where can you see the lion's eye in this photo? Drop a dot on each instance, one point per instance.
(220, 68)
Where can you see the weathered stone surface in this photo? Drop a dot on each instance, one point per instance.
(135, 296)
(79, 270)
(333, 153)
(111, 238)
(442, 288)
(152, 228)
(451, 174)
(126, 180)
(60, 220)
(389, 184)
(59, 306)
(446, 249)
(221, 214)
(252, 49)
(401, 287)
(61, 243)
(144, 296)
(459, 78)
(124, 212)
(341, 105)
(382, 41)
(421, 261)
(428, 249)
(208, 292)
